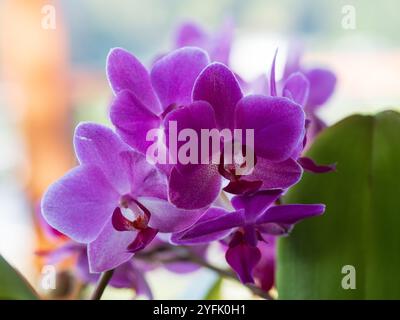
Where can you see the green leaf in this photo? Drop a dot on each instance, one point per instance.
(12, 285)
(215, 291)
(362, 221)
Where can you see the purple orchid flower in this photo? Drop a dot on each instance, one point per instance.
(255, 217)
(127, 275)
(296, 87)
(278, 125)
(114, 201)
(322, 83)
(218, 44)
(199, 95)
(264, 271)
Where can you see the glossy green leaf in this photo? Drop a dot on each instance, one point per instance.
(12, 285)
(361, 225)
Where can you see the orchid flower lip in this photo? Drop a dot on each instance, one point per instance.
(131, 215)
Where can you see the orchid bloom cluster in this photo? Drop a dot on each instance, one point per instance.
(117, 205)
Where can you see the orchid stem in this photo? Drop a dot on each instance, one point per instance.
(227, 274)
(192, 257)
(102, 284)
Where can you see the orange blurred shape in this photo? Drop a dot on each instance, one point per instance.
(35, 60)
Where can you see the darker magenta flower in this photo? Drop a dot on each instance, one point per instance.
(321, 83)
(183, 87)
(143, 98)
(297, 87)
(278, 125)
(114, 201)
(254, 219)
(264, 271)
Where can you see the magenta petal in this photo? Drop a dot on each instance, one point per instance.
(80, 203)
(99, 146)
(297, 88)
(264, 272)
(209, 216)
(217, 222)
(243, 258)
(275, 175)
(255, 204)
(197, 116)
(143, 238)
(218, 86)
(173, 75)
(190, 34)
(194, 186)
(144, 177)
(278, 125)
(124, 71)
(133, 120)
(220, 46)
(290, 213)
(165, 217)
(310, 165)
(322, 85)
(109, 250)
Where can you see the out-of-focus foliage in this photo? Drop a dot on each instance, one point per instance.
(361, 223)
(215, 291)
(136, 25)
(13, 285)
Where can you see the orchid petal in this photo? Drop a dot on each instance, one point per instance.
(310, 165)
(290, 213)
(109, 250)
(190, 34)
(125, 71)
(75, 207)
(99, 146)
(254, 205)
(275, 175)
(194, 186)
(197, 116)
(264, 272)
(219, 86)
(173, 75)
(214, 224)
(133, 120)
(297, 88)
(145, 178)
(243, 258)
(165, 217)
(322, 85)
(278, 125)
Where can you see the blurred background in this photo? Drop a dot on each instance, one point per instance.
(52, 75)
